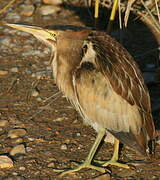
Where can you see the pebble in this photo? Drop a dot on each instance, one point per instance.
(46, 63)
(53, 2)
(126, 172)
(14, 177)
(103, 177)
(22, 168)
(28, 149)
(5, 162)
(18, 141)
(14, 133)
(59, 119)
(51, 165)
(78, 134)
(19, 149)
(31, 139)
(3, 123)
(13, 16)
(3, 72)
(48, 9)
(63, 147)
(14, 69)
(6, 41)
(39, 99)
(27, 10)
(33, 53)
(34, 93)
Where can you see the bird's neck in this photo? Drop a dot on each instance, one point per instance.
(63, 67)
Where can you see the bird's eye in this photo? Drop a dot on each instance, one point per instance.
(53, 35)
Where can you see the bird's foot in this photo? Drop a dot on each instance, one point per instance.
(79, 167)
(112, 162)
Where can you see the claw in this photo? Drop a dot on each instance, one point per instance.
(81, 166)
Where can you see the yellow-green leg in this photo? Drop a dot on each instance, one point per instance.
(114, 159)
(87, 162)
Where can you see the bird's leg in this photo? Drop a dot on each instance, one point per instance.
(87, 162)
(114, 159)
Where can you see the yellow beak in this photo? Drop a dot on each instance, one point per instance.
(40, 33)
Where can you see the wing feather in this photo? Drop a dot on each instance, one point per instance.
(111, 93)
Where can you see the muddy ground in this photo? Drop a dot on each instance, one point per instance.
(29, 99)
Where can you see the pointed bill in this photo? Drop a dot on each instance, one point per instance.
(40, 33)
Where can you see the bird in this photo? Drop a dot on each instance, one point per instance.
(104, 84)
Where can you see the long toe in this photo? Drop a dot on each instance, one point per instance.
(115, 163)
(111, 162)
(81, 166)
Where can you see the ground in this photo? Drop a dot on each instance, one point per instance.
(29, 99)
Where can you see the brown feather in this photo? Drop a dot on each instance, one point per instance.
(114, 71)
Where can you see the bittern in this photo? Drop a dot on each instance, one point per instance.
(103, 82)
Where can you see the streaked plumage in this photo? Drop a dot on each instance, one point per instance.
(103, 82)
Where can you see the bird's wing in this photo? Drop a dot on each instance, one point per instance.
(107, 70)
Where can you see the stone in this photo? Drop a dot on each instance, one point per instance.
(51, 165)
(103, 177)
(14, 177)
(13, 16)
(48, 9)
(14, 70)
(34, 93)
(63, 147)
(22, 168)
(19, 149)
(3, 123)
(5, 162)
(53, 2)
(27, 10)
(3, 72)
(59, 119)
(14, 133)
(6, 41)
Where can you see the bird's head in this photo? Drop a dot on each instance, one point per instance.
(50, 36)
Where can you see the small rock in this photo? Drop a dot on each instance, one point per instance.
(34, 93)
(14, 69)
(46, 63)
(27, 10)
(3, 123)
(51, 165)
(53, 2)
(59, 119)
(126, 172)
(31, 139)
(103, 177)
(6, 41)
(13, 16)
(19, 140)
(78, 134)
(39, 99)
(3, 72)
(28, 149)
(14, 133)
(22, 168)
(19, 149)
(47, 10)
(63, 147)
(14, 177)
(5, 162)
